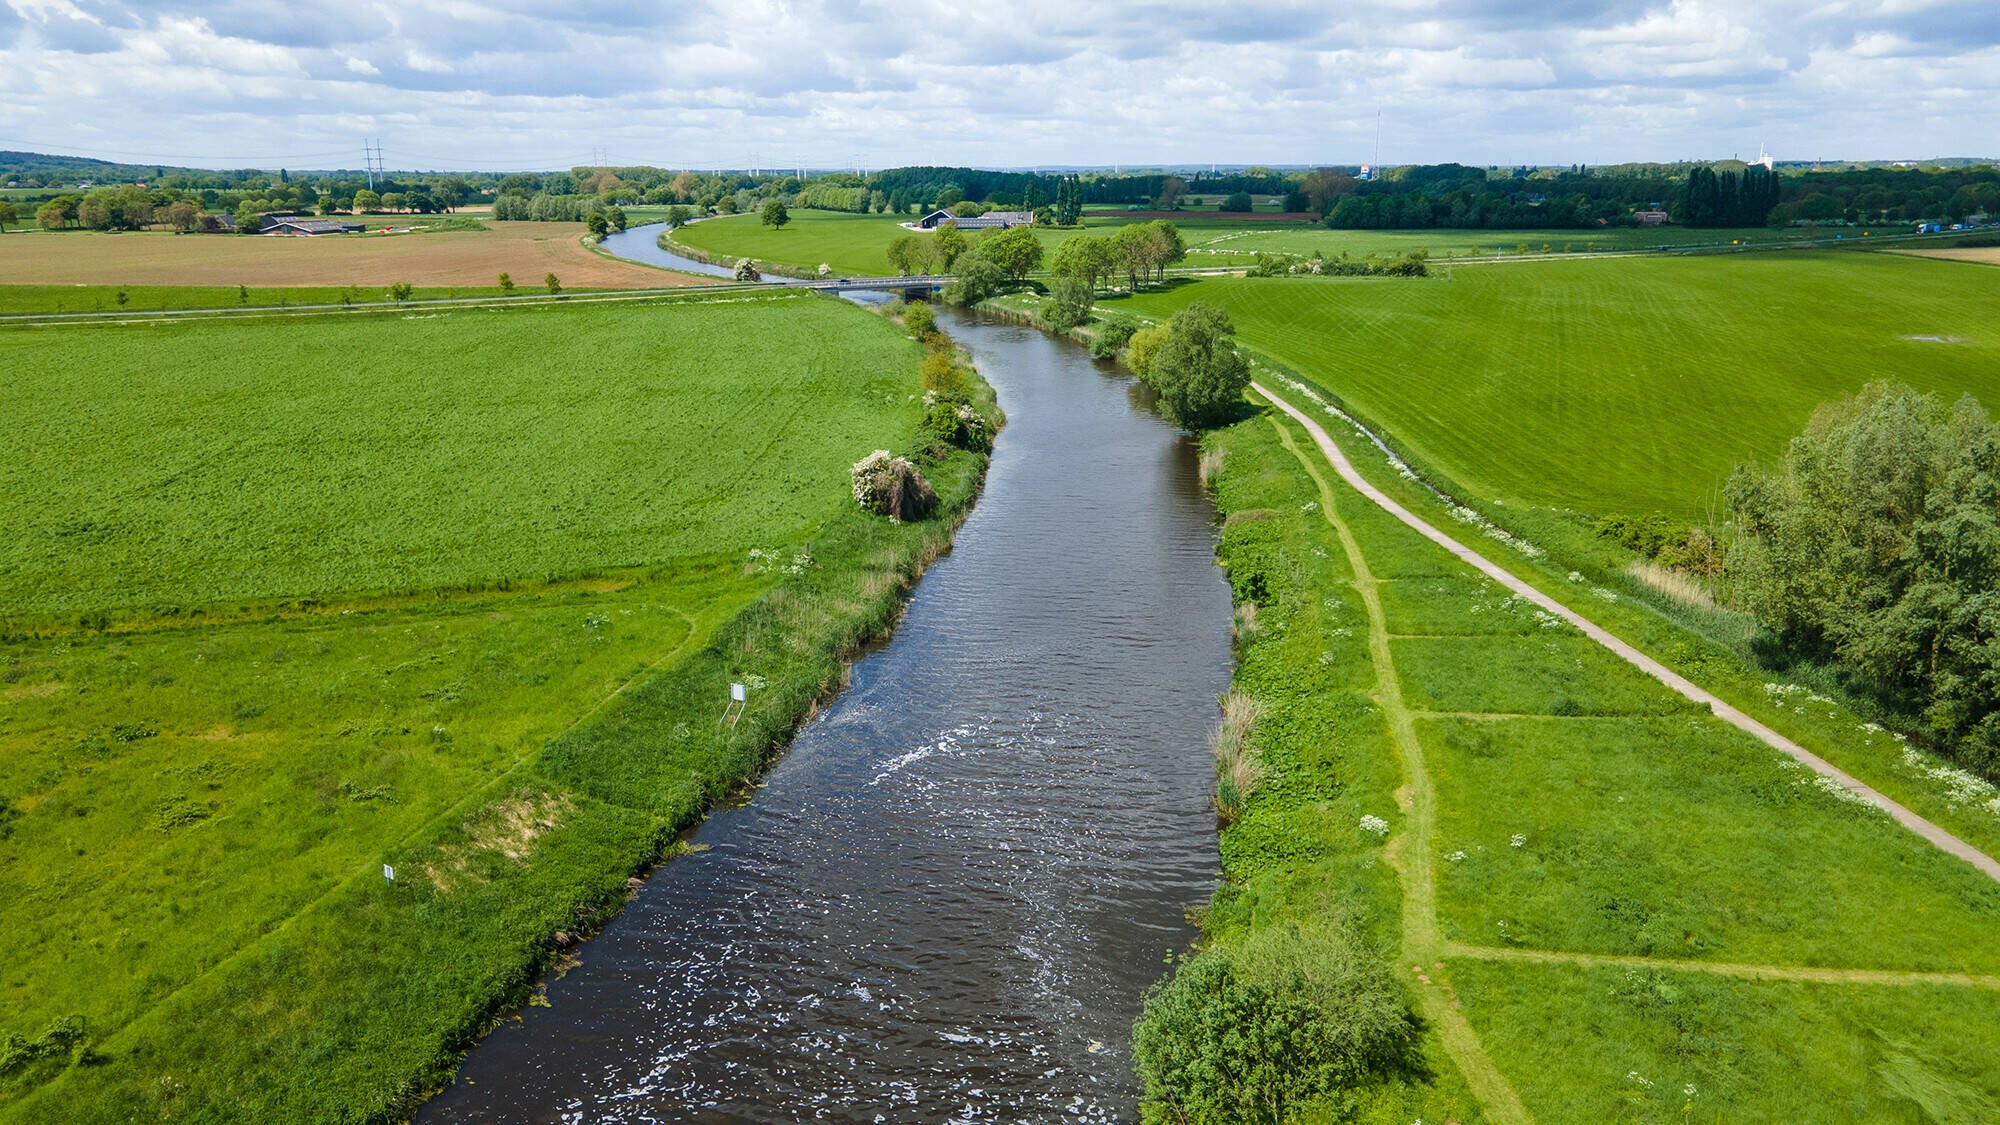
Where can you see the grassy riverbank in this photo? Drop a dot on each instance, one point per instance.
(1497, 802)
(490, 654)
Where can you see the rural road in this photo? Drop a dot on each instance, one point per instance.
(1944, 840)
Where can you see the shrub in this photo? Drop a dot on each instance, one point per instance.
(553, 283)
(746, 270)
(1113, 332)
(940, 373)
(919, 320)
(891, 486)
(1237, 201)
(400, 291)
(1258, 1030)
(954, 422)
(506, 282)
(1142, 347)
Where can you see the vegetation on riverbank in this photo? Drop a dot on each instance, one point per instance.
(476, 687)
(1402, 795)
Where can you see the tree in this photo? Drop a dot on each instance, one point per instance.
(597, 224)
(506, 282)
(950, 243)
(919, 320)
(94, 215)
(393, 200)
(1143, 347)
(977, 280)
(249, 220)
(912, 253)
(183, 215)
(366, 200)
(1199, 373)
(8, 215)
(615, 216)
(1172, 189)
(1237, 201)
(50, 217)
(1086, 258)
(775, 215)
(1015, 250)
(678, 216)
(1136, 251)
(1877, 545)
(400, 291)
(1069, 302)
(553, 283)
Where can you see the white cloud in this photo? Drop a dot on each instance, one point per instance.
(523, 83)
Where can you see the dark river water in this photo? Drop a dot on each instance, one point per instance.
(950, 895)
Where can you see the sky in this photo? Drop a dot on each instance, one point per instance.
(541, 84)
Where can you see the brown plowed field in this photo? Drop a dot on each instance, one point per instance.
(528, 251)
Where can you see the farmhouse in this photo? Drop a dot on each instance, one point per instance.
(293, 224)
(1650, 218)
(990, 220)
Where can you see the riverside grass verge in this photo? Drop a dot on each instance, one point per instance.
(1666, 837)
(228, 792)
(1432, 598)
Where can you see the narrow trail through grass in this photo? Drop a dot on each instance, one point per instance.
(1409, 851)
(1929, 831)
(1753, 972)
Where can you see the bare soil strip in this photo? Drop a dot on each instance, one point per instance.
(1942, 839)
(1409, 850)
(1754, 972)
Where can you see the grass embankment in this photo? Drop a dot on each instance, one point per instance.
(1484, 787)
(474, 618)
(427, 259)
(1615, 386)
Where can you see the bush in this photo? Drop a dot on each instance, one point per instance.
(400, 291)
(919, 320)
(978, 279)
(891, 486)
(1112, 333)
(1261, 1029)
(953, 421)
(940, 372)
(1238, 201)
(746, 270)
(1142, 347)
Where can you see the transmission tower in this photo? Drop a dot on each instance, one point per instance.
(371, 156)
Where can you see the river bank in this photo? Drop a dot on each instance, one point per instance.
(954, 887)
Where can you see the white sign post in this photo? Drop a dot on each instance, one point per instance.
(388, 873)
(733, 710)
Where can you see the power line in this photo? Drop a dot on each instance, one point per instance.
(373, 158)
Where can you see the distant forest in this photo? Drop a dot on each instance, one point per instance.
(1411, 197)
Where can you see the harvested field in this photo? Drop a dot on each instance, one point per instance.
(463, 258)
(1984, 255)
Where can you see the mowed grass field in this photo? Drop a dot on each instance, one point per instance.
(855, 245)
(390, 453)
(429, 259)
(457, 593)
(1606, 905)
(1628, 385)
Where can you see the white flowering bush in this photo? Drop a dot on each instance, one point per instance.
(1375, 825)
(890, 486)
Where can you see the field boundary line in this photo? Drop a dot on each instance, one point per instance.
(1899, 977)
(1937, 836)
(1408, 852)
(456, 808)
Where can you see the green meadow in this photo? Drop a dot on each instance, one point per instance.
(1627, 385)
(459, 593)
(1604, 904)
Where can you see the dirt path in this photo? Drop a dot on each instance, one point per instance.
(1720, 968)
(1409, 849)
(1944, 840)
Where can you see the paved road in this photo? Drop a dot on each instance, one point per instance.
(1724, 711)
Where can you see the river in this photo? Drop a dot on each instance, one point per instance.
(950, 894)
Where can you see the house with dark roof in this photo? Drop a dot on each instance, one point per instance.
(991, 220)
(297, 224)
